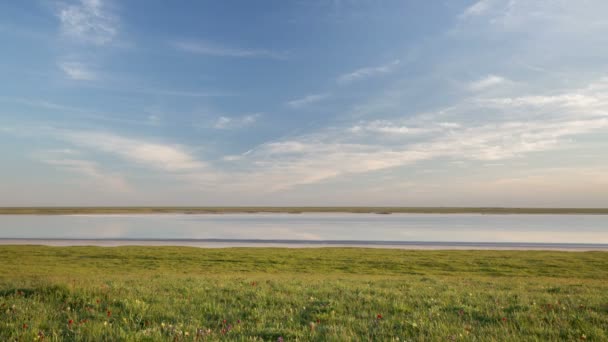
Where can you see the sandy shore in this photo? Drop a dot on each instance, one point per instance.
(309, 244)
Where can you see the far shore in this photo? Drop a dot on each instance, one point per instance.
(296, 244)
(296, 210)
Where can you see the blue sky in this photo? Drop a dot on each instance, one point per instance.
(344, 102)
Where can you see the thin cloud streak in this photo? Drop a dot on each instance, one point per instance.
(225, 122)
(368, 72)
(307, 100)
(212, 49)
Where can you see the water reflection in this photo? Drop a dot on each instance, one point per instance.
(334, 226)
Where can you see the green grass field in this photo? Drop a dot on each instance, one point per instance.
(292, 210)
(186, 294)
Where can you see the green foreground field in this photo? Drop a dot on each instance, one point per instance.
(293, 210)
(341, 294)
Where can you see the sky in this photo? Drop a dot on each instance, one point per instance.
(304, 102)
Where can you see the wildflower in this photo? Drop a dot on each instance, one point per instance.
(280, 339)
(24, 326)
(504, 319)
(379, 316)
(105, 324)
(109, 313)
(70, 322)
(224, 322)
(583, 337)
(98, 301)
(238, 321)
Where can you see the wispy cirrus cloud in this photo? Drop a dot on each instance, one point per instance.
(342, 151)
(165, 157)
(212, 49)
(91, 170)
(78, 71)
(368, 72)
(478, 8)
(388, 127)
(486, 82)
(89, 21)
(307, 100)
(71, 161)
(226, 122)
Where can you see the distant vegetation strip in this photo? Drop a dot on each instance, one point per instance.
(293, 210)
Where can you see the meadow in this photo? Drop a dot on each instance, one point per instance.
(274, 294)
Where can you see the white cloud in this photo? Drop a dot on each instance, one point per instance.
(171, 158)
(90, 21)
(334, 152)
(78, 71)
(103, 180)
(572, 100)
(307, 100)
(387, 127)
(224, 122)
(564, 19)
(486, 82)
(211, 49)
(449, 125)
(478, 8)
(368, 72)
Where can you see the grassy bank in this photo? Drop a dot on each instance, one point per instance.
(170, 293)
(292, 210)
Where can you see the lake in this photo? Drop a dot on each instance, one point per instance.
(310, 229)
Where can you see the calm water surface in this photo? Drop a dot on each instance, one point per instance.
(562, 229)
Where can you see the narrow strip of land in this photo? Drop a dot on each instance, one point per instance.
(295, 210)
(232, 243)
